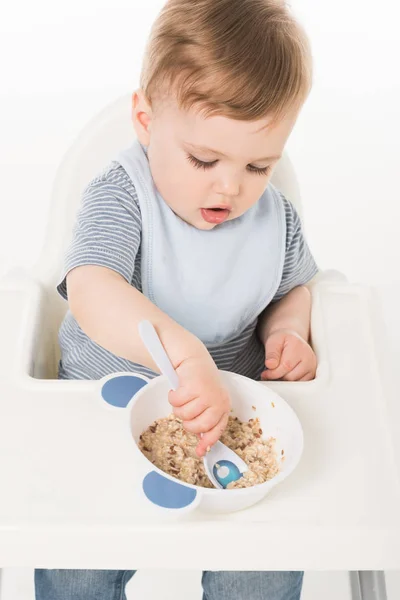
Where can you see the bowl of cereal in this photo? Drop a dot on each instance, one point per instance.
(263, 430)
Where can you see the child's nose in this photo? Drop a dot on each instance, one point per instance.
(229, 186)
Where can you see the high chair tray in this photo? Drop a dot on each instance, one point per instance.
(69, 497)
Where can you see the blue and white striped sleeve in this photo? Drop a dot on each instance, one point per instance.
(299, 266)
(107, 231)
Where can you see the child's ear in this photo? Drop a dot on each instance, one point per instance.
(141, 116)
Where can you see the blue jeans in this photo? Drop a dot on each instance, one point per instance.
(217, 585)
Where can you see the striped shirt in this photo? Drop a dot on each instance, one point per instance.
(107, 233)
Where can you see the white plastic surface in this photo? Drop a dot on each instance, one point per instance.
(68, 494)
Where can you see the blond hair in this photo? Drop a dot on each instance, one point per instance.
(243, 59)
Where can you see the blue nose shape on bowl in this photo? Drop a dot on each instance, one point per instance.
(166, 493)
(118, 391)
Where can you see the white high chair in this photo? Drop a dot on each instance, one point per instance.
(67, 499)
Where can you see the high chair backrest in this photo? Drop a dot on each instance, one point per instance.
(96, 145)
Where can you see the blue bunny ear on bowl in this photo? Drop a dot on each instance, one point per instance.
(168, 494)
(118, 390)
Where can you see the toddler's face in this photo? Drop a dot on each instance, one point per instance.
(208, 170)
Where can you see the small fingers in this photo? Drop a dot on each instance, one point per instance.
(274, 347)
(208, 439)
(273, 355)
(287, 365)
(308, 376)
(297, 373)
(204, 422)
(180, 397)
(190, 410)
(293, 350)
(305, 370)
(292, 376)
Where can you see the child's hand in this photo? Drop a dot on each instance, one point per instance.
(201, 401)
(289, 357)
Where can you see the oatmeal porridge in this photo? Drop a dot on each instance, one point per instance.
(173, 450)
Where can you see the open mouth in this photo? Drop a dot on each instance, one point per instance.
(215, 215)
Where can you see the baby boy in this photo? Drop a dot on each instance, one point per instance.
(184, 229)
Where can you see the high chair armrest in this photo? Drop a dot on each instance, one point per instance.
(21, 299)
(327, 276)
(318, 285)
(28, 327)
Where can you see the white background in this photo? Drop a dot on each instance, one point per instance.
(61, 63)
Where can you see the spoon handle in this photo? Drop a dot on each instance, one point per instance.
(156, 349)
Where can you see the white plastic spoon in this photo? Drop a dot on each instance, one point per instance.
(222, 464)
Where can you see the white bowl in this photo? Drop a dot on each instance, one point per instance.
(150, 402)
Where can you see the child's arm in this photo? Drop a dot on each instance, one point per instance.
(284, 329)
(292, 313)
(108, 310)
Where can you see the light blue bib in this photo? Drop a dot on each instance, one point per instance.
(214, 283)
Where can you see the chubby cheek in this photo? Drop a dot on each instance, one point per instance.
(182, 188)
(252, 192)
(163, 172)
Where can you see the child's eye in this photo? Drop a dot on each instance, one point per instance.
(258, 170)
(200, 164)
